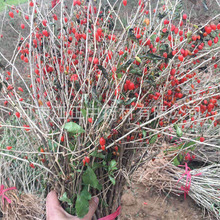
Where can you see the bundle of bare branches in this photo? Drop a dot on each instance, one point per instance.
(23, 207)
(202, 184)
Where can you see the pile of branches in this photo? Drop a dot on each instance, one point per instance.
(201, 184)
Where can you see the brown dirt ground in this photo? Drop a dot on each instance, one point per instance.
(140, 203)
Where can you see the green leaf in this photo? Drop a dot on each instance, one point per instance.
(100, 98)
(96, 166)
(179, 132)
(152, 56)
(162, 15)
(153, 139)
(85, 193)
(176, 161)
(213, 34)
(85, 99)
(89, 178)
(102, 116)
(144, 133)
(119, 75)
(73, 128)
(82, 206)
(189, 34)
(52, 146)
(112, 166)
(83, 112)
(164, 35)
(64, 198)
(154, 123)
(119, 102)
(153, 37)
(128, 102)
(94, 94)
(188, 144)
(71, 210)
(98, 155)
(138, 59)
(122, 58)
(104, 71)
(77, 85)
(112, 180)
(125, 65)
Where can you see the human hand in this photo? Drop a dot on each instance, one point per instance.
(56, 212)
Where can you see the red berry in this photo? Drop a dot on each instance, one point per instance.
(172, 72)
(26, 127)
(165, 55)
(25, 59)
(202, 139)
(99, 32)
(55, 17)
(103, 147)
(17, 114)
(90, 120)
(102, 141)
(166, 21)
(44, 22)
(216, 40)
(124, 2)
(213, 26)
(32, 165)
(45, 33)
(9, 147)
(210, 43)
(208, 30)
(184, 16)
(180, 58)
(131, 86)
(62, 138)
(121, 52)
(110, 54)
(48, 103)
(20, 89)
(11, 14)
(31, 4)
(65, 19)
(10, 87)
(96, 61)
(87, 159)
(22, 26)
(169, 92)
